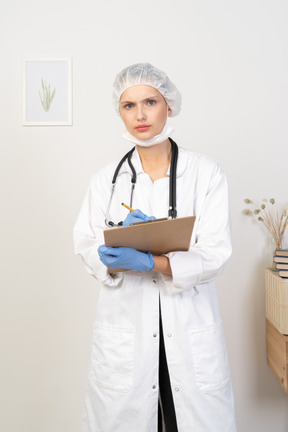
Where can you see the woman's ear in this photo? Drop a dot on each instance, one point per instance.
(169, 111)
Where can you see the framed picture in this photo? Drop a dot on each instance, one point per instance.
(47, 91)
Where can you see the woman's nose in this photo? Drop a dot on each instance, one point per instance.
(141, 115)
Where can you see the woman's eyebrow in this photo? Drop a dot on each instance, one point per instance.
(152, 97)
(148, 98)
(126, 102)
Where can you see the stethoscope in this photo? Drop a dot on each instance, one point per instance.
(172, 212)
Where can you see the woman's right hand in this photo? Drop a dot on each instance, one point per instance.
(136, 216)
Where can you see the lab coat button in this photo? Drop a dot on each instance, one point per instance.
(154, 387)
(154, 281)
(169, 335)
(177, 389)
(154, 334)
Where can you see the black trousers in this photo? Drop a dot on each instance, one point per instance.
(166, 407)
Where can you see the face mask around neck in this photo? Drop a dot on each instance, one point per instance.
(157, 139)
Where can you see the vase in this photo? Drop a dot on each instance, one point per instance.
(278, 242)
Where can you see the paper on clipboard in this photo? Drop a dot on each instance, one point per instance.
(157, 237)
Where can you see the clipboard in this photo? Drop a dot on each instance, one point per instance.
(157, 237)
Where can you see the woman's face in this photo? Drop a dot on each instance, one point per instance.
(144, 111)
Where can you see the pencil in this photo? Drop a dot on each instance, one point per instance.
(125, 205)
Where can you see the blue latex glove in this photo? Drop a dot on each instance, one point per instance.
(136, 216)
(127, 258)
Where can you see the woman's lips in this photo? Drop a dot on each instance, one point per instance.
(142, 128)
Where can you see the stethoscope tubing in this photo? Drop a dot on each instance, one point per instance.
(172, 212)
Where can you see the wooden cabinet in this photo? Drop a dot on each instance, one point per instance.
(277, 325)
(277, 353)
(276, 300)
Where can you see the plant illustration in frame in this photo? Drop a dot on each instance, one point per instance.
(46, 97)
(47, 91)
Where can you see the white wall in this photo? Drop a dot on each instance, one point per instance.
(229, 59)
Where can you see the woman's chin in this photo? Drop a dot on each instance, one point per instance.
(143, 136)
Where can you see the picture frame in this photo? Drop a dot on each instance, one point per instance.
(47, 91)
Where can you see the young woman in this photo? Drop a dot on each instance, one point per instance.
(158, 359)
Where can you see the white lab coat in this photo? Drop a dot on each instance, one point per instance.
(122, 392)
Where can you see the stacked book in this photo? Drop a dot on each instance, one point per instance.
(281, 260)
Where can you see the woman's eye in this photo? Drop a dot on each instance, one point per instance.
(129, 106)
(151, 102)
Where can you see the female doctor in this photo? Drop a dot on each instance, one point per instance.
(158, 359)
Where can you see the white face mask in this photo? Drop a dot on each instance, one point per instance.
(157, 139)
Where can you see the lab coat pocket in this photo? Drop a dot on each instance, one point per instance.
(112, 357)
(209, 358)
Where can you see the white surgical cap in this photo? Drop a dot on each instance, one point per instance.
(145, 73)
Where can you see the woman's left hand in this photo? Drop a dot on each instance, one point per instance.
(127, 258)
